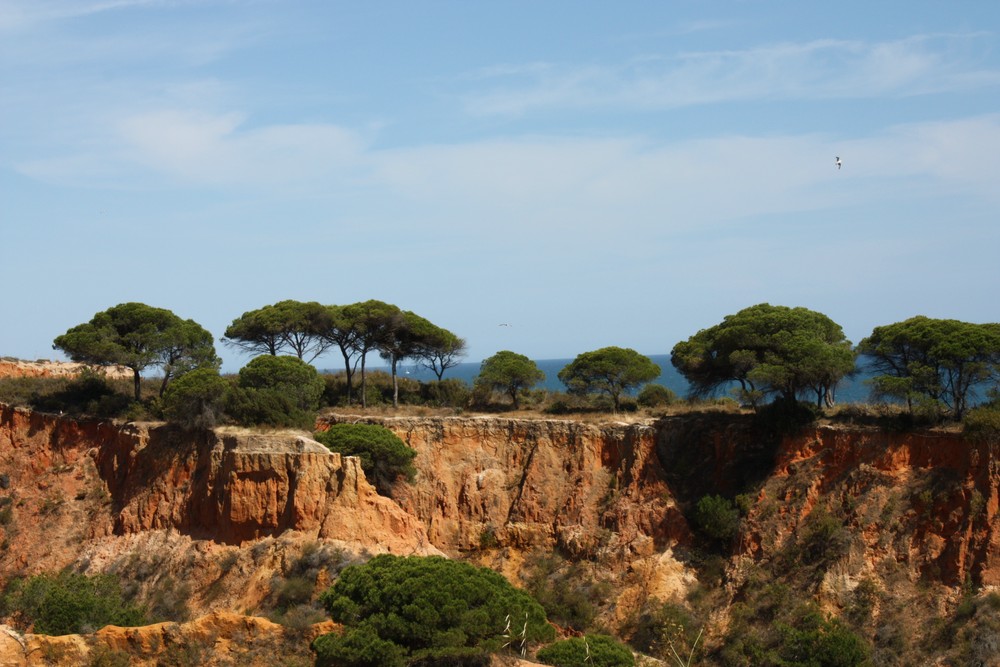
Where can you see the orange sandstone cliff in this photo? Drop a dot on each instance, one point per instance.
(226, 510)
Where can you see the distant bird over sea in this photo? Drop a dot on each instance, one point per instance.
(504, 324)
(837, 161)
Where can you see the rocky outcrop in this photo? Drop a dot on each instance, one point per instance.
(927, 500)
(225, 486)
(17, 368)
(618, 490)
(586, 489)
(226, 510)
(237, 486)
(216, 639)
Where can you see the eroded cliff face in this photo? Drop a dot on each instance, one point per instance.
(225, 486)
(216, 639)
(228, 509)
(926, 501)
(923, 503)
(220, 513)
(545, 484)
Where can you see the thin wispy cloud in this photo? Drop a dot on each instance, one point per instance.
(820, 69)
(17, 14)
(647, 183)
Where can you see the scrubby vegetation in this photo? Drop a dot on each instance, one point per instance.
(425, 611)
(587, 651)
(68, 603)
(384, 457)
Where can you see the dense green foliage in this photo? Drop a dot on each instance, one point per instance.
(89, 394)
(767, 350)
(68, 603)
(656, 395)
(424, 610)
(374, 323)
(930, 360)
(287, 325)
(276, 391)
(309, 329)
(983, 422)
(137, 337)
(587, 651)
(196, 400)
(290, 376)
(510, 373)
(611, 370)
(817, 642)
(384, 457)
(717, 518)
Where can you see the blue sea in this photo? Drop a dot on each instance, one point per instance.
(851, 390)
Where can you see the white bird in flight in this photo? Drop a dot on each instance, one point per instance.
(837, 161)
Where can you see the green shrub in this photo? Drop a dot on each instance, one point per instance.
(89, 394)
(361, 647)
(982, 423)
(824, 538)
(666, 624)
(423, 610)
(264, 407)
(196, 399)
(69, 603)
(717, 518)
(276, 391)
(588, 651)
(656, 395)
(570, 597)
(384, 457)
(816, 642)
(291, 377)
(452, 393)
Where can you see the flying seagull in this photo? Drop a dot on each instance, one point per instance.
(504, 325)
(837, 161)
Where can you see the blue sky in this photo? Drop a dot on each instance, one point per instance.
(591, 173)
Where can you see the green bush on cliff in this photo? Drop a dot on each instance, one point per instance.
(424, 611)
(196, 399)
(68, 603)
(384, 457)
(276, 391)
(717, 518)
(589, 651)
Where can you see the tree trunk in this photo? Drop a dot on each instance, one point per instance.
(364, 383)
(395, 384)
(347, 371)
(163, 385)
(137, 384)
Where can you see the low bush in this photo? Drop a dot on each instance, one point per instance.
(588, 651)
(450, 393)
(68, 603)
(982, 423)
(265, 407)
(570, 597)
(90, 394)
(195, 399)
(655, 396)
(384, 457)
(424, 610)
(291, 377)
(717, 518)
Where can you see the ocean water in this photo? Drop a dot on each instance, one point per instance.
(850, 390)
